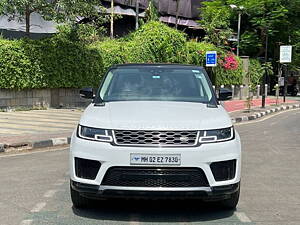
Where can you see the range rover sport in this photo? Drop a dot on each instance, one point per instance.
(155, 131)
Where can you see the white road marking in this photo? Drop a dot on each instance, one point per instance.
(242, 217)
(50, 193)
(26, 222)
(38, 207)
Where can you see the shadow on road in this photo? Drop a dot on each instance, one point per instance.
(153, 211)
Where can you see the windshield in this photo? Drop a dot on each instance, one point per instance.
(156, 84)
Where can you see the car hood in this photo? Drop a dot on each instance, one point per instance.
(153, 115)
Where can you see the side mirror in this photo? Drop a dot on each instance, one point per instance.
(225, 94)
(87, 93)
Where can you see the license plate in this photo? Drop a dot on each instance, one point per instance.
(155, 159)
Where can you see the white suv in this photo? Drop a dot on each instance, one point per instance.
(155, 131)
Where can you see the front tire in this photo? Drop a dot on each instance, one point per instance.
(78, 200)
(231, 202)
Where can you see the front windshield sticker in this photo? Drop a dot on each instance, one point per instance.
(196, 71)
(156, 77)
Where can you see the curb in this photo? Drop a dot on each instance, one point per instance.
(262, 114)
(35, 144)
(53, 142)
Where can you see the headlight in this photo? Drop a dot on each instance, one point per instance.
(218, 135)
(94, 134)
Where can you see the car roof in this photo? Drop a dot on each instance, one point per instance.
(158, 65)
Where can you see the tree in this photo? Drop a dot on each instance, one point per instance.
(58, 10)
(277, 19)
(264, 18)
(215, 20)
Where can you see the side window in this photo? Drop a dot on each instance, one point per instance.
(204, 86)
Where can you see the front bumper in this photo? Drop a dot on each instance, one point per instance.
(193, 157)
(204, 193)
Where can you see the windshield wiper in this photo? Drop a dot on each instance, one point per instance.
(99, 102)
(210, 105)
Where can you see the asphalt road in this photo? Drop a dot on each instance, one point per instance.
(34, 188)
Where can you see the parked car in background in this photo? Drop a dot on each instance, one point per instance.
(225, 94)
(155, 131)
(291, 90)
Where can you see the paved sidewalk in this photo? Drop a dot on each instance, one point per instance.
(37, 125)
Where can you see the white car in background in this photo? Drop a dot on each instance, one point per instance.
(155, 131)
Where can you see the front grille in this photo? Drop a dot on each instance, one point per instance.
(155, 138)
(155, 177)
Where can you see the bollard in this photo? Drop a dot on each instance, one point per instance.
(277, 90)
(266, 90)
(241, 92)
(258, 91)
(277, 93)
(246, 91)
(232, 89)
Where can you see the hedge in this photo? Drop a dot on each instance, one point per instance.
(50, 63)
(58, 62)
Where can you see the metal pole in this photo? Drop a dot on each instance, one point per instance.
(263, 103)
(239, 34)
(137, 15)
(177, 12)
(112, 19)
(285, 83)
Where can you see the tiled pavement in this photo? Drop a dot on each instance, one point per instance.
(37, 124)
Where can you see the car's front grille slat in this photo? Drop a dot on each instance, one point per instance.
(155, 138)
(155, 177)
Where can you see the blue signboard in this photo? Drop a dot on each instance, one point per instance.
(211, 58)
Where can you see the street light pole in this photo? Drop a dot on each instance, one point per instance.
(177, 13)
(239, 9)
(239, 34)
(263, 99)
(137, 15)
(112, 19)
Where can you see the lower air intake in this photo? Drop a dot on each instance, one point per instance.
(155, 177)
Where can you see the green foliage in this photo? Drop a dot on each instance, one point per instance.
(194, 52)
(49, 63)
(152, 12)
(62, 11)
(215, 19)
(85, 33)
(250, 43)
(256, 72)
(113, 52)
(156, 42)
(279, 19)
(64, 61)
(229, 77)
(17, 68)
